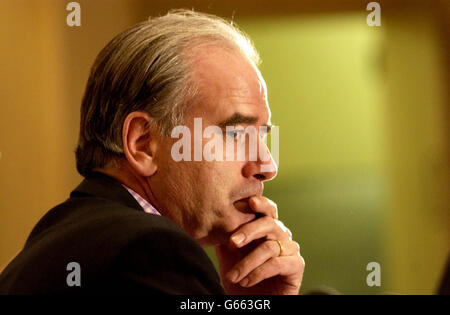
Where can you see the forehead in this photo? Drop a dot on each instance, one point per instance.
(228, 83)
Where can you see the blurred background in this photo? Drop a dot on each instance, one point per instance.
(363, 113)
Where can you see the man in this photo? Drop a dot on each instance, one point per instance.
(136, 223)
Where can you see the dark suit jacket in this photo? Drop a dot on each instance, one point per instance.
(120, 249)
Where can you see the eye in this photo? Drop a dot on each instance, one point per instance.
(235, 134)
(264, 132)
(263, 135)
(232, 133)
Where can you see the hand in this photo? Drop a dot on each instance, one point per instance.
(251, 262)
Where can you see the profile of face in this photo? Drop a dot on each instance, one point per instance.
(207, 199)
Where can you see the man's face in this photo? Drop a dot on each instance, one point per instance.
(207, 199)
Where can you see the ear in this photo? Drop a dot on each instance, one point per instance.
(139, 143)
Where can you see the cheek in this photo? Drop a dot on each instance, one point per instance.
(174, 181)
(217, 179)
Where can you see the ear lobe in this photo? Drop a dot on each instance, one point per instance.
(139, 143)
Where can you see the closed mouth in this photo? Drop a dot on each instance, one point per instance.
(242, 205)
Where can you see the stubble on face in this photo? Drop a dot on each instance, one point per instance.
(200, 196)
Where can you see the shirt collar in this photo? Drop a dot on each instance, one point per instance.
(146, 206)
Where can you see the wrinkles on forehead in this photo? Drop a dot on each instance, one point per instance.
(228, 82)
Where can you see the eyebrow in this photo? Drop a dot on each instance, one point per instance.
(238, 118)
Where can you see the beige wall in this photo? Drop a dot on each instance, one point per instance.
(44, 67)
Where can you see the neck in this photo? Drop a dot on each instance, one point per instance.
(126, 176)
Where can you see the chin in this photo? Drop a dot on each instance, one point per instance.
(222, 230)
(244, 218)
(212, 240)
(237, 221)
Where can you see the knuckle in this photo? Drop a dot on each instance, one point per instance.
(274, 207)
(269, 246)
(275, 262)
(281, 226)
(243, 266)
(272, 203)
(255, 275)
(302, 263)
(298, 246)
(268, 220)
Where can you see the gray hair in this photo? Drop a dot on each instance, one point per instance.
(147, 68)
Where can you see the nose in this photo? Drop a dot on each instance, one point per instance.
(264, 168)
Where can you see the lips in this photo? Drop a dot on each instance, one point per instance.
(249, 191)
(245, 194)
(242, 205)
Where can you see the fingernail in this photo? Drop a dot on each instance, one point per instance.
(234, 276)
(244, 282)
(238, 238)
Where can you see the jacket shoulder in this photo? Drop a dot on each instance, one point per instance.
(165, 262)
(116, 247)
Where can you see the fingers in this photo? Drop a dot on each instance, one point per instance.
(268, 208)
(268, 258)
(277, 266)
(263, 205)
(267, 227)
(284, 228)
(261, 254)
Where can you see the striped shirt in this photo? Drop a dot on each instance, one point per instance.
(146, 206)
